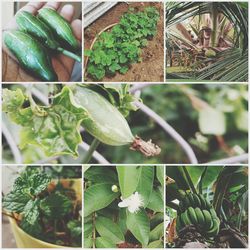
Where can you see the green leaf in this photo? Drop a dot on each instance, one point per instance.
(212, 121)
(31, 211)
(97, 197)
(107, 228)
(104, 242)
(88, 243)
(101, 175)
(15, 201)
(157, 233)
(32, 184)
(34, 229)
(156, 244)
(88, 229)
(75, 228)
(138, 225)
(56, 205)
(160, 174)
(156, 201)
(145, 184)
(54, 128)
(128, 179)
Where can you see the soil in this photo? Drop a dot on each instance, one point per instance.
(151, 69)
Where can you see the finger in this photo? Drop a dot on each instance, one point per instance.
(67, 12)
(53, 5)
(77, 29)
(31, 7)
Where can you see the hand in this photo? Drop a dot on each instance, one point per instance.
(63, 65)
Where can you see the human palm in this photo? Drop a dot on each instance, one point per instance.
(62, 65)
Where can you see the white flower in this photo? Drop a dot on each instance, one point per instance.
(133, 202)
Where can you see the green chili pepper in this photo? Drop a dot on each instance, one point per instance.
(31, 55)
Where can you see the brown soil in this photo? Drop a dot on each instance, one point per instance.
(151, 69)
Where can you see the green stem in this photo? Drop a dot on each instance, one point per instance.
(189, 180)
(201, 180)
(69, 54)
(91, 150)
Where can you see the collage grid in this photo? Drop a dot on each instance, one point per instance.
(84, 157)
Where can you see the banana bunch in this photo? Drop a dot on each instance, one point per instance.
(195, 210)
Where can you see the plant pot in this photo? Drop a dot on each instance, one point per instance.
(24, 240)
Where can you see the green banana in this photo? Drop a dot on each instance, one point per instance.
(208, 220)
(191, 200)
(215, 229)
(197, 200)
(200, 216)
(203, 201)
(192, 215)
(61, 28)
(185, 219)
(186, 202)
(31, 55)
(213, 213)
(28, 23)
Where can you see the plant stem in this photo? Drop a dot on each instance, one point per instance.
(69, 54)
(189, 180)
(93, 230)
(201, 179)
(91, 150)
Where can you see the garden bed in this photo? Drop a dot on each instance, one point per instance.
(152, 56)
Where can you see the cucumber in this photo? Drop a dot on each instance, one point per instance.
(30, 24)
(31, 55)
(60, 28)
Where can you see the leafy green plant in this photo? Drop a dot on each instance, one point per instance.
(123, 206)
(56, 128)
(212, 198)
(117, 49)
(45, 208)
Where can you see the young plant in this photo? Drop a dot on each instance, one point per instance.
(56, 128)
(123, 207)
(45, 208)
(115, 50)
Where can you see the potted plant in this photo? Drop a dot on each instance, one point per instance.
(44, 212)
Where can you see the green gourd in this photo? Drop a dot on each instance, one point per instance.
(31, 24)
(60, 27)
(104, 121)
(31, 55)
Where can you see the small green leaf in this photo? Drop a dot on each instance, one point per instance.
(98, 196)
(138, 225)
(107, 228)
(15, 201)
(128, 179)
(31, 211)
(56, 205)
(104, 242)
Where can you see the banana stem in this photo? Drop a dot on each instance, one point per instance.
(189, 180)
(91, 150)
(69, 54)
(201, 180)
